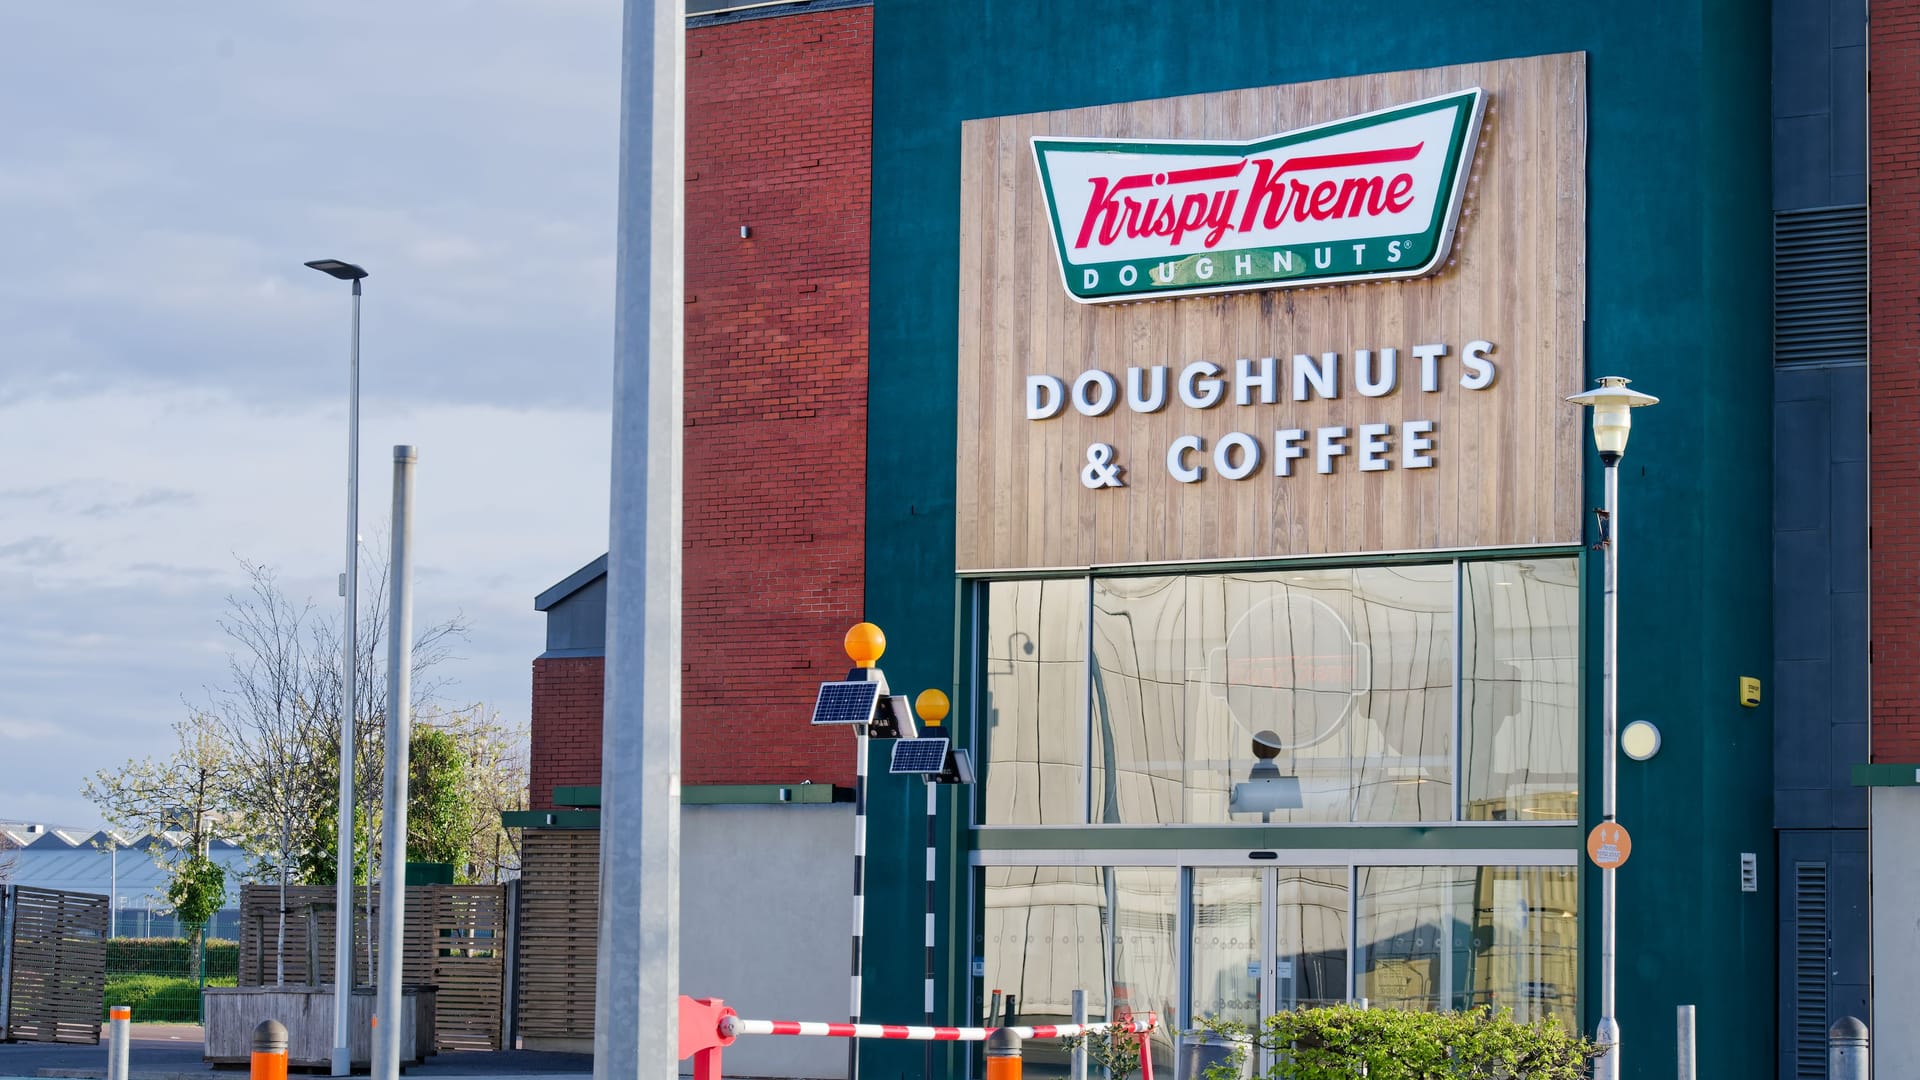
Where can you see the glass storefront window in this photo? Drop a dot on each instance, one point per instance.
(1045, 935)
(1034, 736)
(1520, 698)
(1284, 697)
(1252, 941)
(1459, 937)
(1146, 924)
(1342, 679)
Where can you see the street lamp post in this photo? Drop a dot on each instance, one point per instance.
(349, 587)
(1613, 406)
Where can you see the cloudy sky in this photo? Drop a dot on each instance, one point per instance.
(173, 382)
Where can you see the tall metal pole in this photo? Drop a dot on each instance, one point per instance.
(393, 806)
(343, 873)
(1608, 1031)
(1687, 1067)
(637, 979)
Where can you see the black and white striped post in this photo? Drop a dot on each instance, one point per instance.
(864, 644)
(932, 708)
(859, 890)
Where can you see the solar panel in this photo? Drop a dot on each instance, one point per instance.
(923, 756)
(846, 703)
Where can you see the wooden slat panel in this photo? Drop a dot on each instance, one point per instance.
(59, 957)
(558, 932)
(1506, 458)
(454, 938)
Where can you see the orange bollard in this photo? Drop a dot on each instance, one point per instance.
(1003, 1054)
(269, 1051)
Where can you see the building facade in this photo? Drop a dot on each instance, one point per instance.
(1351, 517)
(1220, 471)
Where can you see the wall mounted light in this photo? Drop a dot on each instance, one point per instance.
(1640, 740)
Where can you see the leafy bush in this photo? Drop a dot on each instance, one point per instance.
(1344, 1041)
(170, 956)
(158, 998)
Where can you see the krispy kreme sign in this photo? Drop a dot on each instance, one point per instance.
(1365, 198)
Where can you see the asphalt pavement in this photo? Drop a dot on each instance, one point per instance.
(172, 1052)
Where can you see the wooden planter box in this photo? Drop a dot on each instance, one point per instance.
(233, 1012)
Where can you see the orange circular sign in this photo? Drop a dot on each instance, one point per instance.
(1608, 845)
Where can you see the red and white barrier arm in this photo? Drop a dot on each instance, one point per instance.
(734, 1026)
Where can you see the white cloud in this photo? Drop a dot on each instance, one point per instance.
(172, 380)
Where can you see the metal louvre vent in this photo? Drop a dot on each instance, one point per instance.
(1810, 948)
(1820, 285)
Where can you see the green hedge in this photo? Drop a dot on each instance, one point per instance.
(1344, 1041)
(169, 956)
(158, 998)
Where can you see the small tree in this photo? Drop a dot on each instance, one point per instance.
(439, 806)
(180, 795)
(197, 889)
(1114, 1048)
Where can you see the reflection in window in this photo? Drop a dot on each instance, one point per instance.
(1525, 946)
(1224, 956)
(1310, 943)
(1347, 674)
(1458, 937)
(1402, 951)
(1520, 695)
(1146, 905)
(1035, 702)
(1044, 934)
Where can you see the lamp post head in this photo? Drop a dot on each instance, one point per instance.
(345, 271)
(1613, 406)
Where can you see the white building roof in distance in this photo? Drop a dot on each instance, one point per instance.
(103, 862)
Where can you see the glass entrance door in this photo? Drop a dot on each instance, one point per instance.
(1263, 941)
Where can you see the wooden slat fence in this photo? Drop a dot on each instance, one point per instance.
(56, 964)
(559, 932)
(455, 939)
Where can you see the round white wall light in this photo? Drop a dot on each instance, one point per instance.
(1640, 740)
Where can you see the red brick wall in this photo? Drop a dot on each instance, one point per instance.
(567, 696)
(779, 126)
(1893, 147)
(779, 136)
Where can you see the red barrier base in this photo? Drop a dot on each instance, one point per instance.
(700, 1035)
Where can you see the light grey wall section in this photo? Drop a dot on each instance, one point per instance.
(577, 625)
(1896, 933)
(766, 912)
(1819, 596)
(1819, 103)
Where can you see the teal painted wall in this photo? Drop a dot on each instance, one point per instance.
(1678, 299)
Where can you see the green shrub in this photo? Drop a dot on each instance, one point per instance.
(1345, 1041)
(170, 956)
(158, 998)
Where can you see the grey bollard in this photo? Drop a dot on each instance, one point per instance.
(119, 1016)
(1847, 1051)
(269, 1051)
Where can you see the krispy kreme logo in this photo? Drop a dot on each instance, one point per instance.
(1368, 197)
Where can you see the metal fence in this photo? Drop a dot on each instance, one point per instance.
(160, 978)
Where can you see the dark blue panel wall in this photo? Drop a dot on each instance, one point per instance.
(1820, 538)
(1819, 103)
